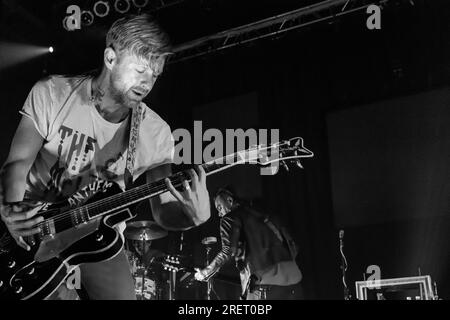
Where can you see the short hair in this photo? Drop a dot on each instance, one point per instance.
(141, 36)
(224, 191)
(230, 192)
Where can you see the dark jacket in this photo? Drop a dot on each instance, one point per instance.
(264, 242)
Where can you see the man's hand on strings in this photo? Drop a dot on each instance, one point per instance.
(21, 220)
(195, 197)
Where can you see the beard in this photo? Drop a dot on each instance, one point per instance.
(119, 95)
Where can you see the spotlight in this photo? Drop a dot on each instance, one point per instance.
(140, 3)
(101, 8)
(87, 18)
(50, 49)
(122, 6)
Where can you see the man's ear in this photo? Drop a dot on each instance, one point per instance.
(109, 58)
(230, 201)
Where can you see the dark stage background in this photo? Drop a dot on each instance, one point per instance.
(372, 105)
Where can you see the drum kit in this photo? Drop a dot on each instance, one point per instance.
(155, 272)
(144, 260)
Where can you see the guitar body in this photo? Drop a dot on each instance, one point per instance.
(37, 273)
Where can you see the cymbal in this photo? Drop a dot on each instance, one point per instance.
(144, 230)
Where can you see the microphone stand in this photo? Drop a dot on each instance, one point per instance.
(208, 284)
(347, 295)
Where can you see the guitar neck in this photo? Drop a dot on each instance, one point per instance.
(56, 221)
(145, 191)
(91, 211)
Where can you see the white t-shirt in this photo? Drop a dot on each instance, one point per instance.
(80, 146)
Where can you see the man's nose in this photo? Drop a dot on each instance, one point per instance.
(146, 83)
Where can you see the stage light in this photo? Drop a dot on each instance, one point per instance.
(12, 53)
(140, 3)
(122, 6)
(101, 8)
(50, 49)
(87, 18)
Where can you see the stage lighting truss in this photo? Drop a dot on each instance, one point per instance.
(273, 27)
(122, 6)
(87, 18)
(159, 5)
(101, 8)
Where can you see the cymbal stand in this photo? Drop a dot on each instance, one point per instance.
(143, 239)
(172, 284)
(209, 283)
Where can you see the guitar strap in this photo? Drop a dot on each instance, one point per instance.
(135, 122)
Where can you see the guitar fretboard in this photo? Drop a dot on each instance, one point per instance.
(91, 211)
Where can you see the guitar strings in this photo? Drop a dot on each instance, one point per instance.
(137, 194)
(125, 196)
(68, 214)
(145, 189)
(130, 194)
(96, 205)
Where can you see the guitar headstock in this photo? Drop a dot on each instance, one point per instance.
(172, 263)
(282, 153)
(287, 152)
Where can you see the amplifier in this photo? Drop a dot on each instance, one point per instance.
(410, 288)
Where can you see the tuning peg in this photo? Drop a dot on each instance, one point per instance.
(285, 166)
